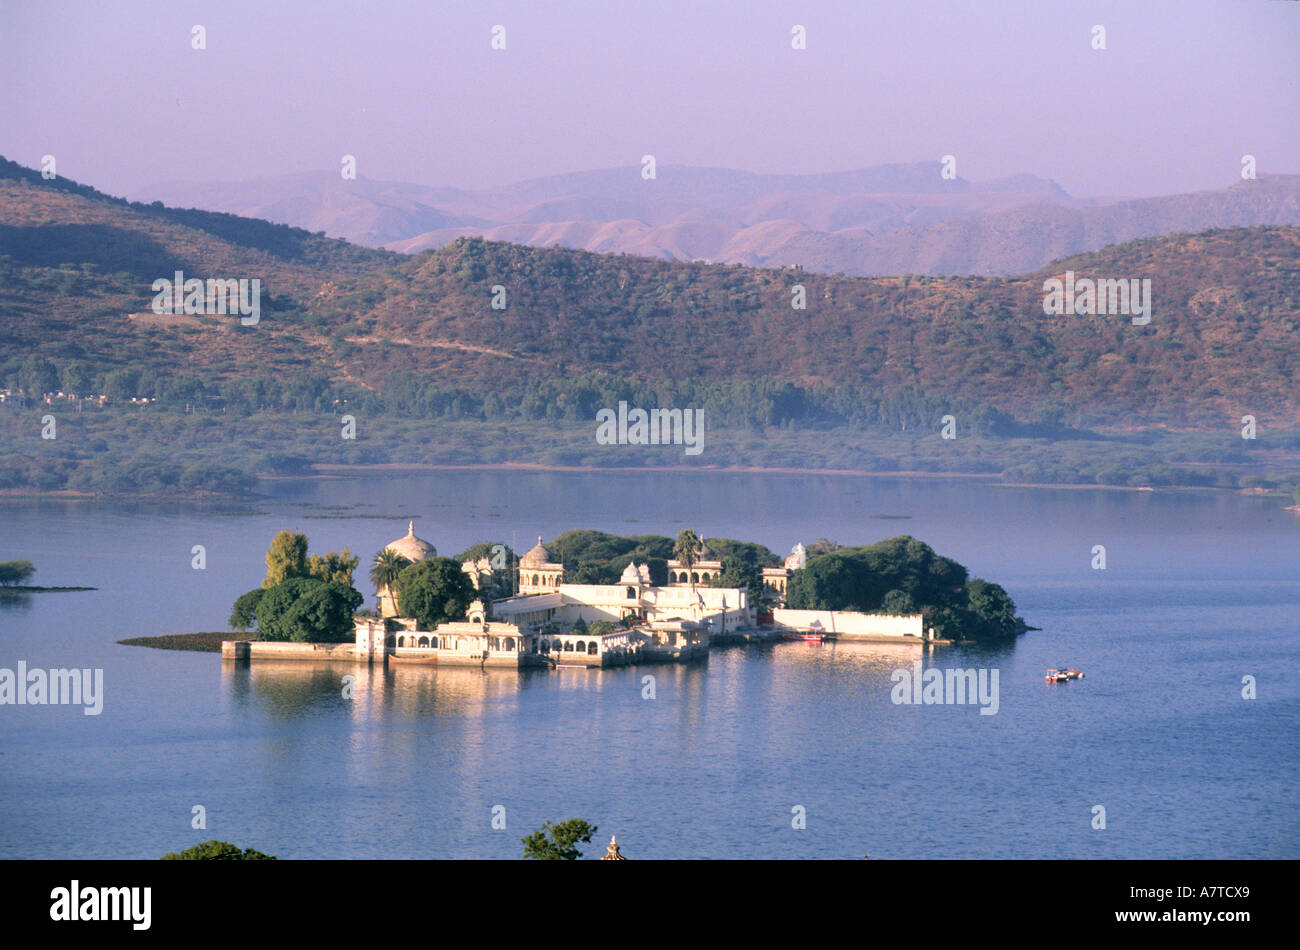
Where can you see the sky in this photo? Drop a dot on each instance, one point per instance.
(414, 90)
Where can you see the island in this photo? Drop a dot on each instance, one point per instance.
(589, 599)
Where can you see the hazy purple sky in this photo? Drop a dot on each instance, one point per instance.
(1184, 89)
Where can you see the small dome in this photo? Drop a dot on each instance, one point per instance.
(635, 574)
(411, 547)
(537, 557)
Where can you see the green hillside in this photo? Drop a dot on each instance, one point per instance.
(398, 341)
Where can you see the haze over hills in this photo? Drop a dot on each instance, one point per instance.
(890, 219)
(1222, 336)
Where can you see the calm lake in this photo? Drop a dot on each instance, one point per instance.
(1200, 590)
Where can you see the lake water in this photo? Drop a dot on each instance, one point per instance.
(1200, 590)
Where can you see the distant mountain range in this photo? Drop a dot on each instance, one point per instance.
(885, 220)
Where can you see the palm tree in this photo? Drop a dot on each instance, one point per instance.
(383, 573)
(685, 551)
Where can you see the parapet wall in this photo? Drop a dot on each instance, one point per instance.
(276, 650)
(848, 625)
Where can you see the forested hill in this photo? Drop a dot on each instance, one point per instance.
(1222, 339)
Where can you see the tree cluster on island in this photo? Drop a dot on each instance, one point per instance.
(15, 572)
(903, 576)
(216, 851)
(305, 599)
(558, 842)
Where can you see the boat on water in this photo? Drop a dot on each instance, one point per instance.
(1062, 675)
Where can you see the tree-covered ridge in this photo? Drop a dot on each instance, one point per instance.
(60, 215)
(861, 379)
(341, 322)
(903, 575)
(1222, 332)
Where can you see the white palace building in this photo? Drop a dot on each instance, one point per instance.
(553, 624)
(548, 622)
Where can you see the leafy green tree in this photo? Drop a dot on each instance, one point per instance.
(333, 566)
(747, 551)
(829, 582)
(286, 558)
(216, 851)
(434, 591)
(243, 616)
(898, 602)
(306, 610)
(75, 379)
(16, 572)
(500, 554)
(686, 551)
(993, 609)
(37, 376)
(821, 546)
(385, 568)
(591, 572)
(558, 842)
(742, 570)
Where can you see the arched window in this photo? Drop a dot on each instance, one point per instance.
(695, 577)
(704, 577)
(592, 647)
(568, 646)
(536, 580)
(401, 641)
(582, 646)
(424, 641)
(631, 593)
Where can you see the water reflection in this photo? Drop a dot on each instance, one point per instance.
(15, 600)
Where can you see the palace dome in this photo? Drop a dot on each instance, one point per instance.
(411, 547)
(635, 574)
(537, 557)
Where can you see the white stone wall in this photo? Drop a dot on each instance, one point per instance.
(847, 624)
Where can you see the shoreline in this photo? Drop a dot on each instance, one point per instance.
(26, 589)
(342, 471)
(203, 642)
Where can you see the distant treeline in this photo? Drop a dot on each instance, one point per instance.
(160, 450)
(753, 403)
(105, 475)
